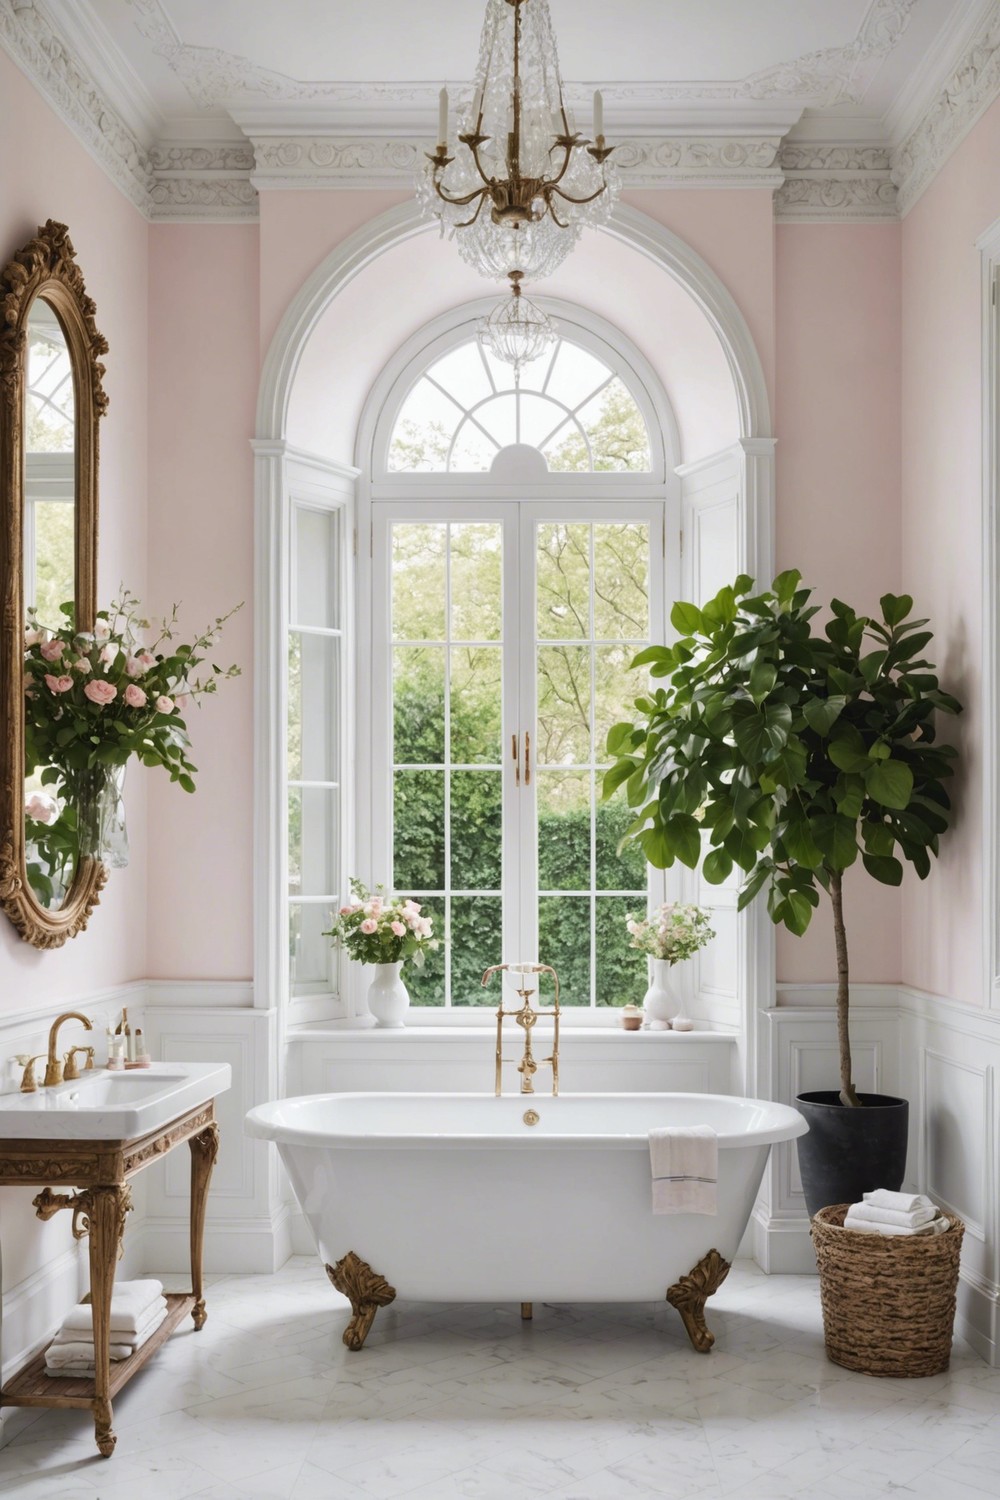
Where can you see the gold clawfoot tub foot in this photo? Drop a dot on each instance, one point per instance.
(690, 1294)
(366, 1291)
(527, 1312)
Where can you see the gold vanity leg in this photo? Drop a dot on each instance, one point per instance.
(101, 1211)
(527, 1312)
(204, 1150)
(690, 1294)
(366, 1291)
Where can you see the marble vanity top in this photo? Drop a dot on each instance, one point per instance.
(112, 1106)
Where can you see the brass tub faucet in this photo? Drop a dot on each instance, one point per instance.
(53, 1066)
(526, 1018)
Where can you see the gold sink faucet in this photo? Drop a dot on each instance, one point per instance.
(526, 1018)
(53, 1066)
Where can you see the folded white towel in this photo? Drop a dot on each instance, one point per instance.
(78, 1371)
(150, 1323)
(903, 1203)
(685, 1166)
(59, 1356)
(893, 1216)
(865, 1226)
(130, 1305)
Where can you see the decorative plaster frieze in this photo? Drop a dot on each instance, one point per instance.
(844, 182)
(185, 157)
(27, 34)
(296, 161)
(228, 198)
(971, 88)
(836, 75)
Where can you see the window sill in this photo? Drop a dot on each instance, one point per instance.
(438, 1032)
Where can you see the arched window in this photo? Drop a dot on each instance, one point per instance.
(570, 405)
(521, 543)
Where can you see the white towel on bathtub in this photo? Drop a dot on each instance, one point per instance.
(685, 1165)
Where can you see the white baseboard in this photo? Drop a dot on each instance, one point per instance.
(250, 1246)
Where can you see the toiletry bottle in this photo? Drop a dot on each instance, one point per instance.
(141, 1055)
(129, 1048)
(114, 1062)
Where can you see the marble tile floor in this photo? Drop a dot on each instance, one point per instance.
(584, 1403)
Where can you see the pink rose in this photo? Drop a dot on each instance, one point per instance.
(164, 705)
(83, 665)
(100, 692)
(369, 926)
(134, 696)
(58, 684)
(399, 929)
(52, 650)
(345, 911)
(41, 808)
(146, 660)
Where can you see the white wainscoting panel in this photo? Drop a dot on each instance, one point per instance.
(950, 1057)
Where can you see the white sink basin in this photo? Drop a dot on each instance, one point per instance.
(103, 1106)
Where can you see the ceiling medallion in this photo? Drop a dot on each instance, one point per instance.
(523, 182)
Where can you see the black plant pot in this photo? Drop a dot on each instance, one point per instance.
(850, 1151)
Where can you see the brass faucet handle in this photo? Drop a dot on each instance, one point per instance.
(28, 1083)
(70, 1069)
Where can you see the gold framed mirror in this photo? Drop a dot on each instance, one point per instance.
(51, 402)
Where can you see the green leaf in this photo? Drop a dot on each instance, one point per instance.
(763, 676)
(800, 844)
(785, 586)
(613, 778)
(847, 751)
(884, 868)
(684, 836)
(836, 837)
(687, 619)
(890, 782)
(760, 734)
(652, 653)
(878, 838)
(656, 847)
(822, 713)
(718, 867)
(895, 608)
(798, 913)
(754, 885)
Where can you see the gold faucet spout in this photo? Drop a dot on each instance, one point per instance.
(53, 1065)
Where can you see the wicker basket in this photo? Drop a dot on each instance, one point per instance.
(888, 1301)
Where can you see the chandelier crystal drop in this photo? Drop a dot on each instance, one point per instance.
(517, 331)
(522, 182)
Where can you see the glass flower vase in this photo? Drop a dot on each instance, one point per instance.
(100, 805)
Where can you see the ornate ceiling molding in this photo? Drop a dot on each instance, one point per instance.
(832, 75)
(835, 182)
(329, 161)
(970, 89)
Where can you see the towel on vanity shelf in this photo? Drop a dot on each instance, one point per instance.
(685, 1166)
(68, 1336)
(131, 1305)
(876, 1215)
(71, 1356)
(901, 1203)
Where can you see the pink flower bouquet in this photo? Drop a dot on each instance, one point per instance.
(377, 928)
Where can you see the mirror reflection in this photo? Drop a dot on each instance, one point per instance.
(51, 841)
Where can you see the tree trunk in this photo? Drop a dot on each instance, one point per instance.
(847, 1092)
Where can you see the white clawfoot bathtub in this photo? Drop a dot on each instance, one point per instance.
(455, 1198)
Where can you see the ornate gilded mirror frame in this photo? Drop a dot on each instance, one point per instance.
(46, 268)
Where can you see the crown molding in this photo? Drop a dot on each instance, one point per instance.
(971, 87)
(846, 183)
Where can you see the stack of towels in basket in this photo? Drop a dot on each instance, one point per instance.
(883, 1212)
(137, 1310)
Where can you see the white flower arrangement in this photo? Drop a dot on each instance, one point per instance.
(673, 933)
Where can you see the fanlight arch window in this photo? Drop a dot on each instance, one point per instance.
(573, 405)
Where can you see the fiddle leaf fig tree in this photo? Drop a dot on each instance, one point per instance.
(789, 754)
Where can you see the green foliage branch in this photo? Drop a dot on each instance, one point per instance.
(792, 753)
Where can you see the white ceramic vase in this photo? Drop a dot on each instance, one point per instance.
(388, 997)
(659, 1002)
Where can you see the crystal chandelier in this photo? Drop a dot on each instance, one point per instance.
(523, 182)
(517, 331)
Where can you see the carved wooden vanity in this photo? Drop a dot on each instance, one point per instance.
(101, 1172)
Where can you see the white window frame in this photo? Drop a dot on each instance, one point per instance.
(382, 494)
(47, 477)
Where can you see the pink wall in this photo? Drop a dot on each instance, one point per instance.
(941, 541)
(838, 500)
(203, 391)
(57, 179)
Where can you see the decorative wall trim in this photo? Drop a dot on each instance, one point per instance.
(331, 158)
(838, 182)
(970, 89)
